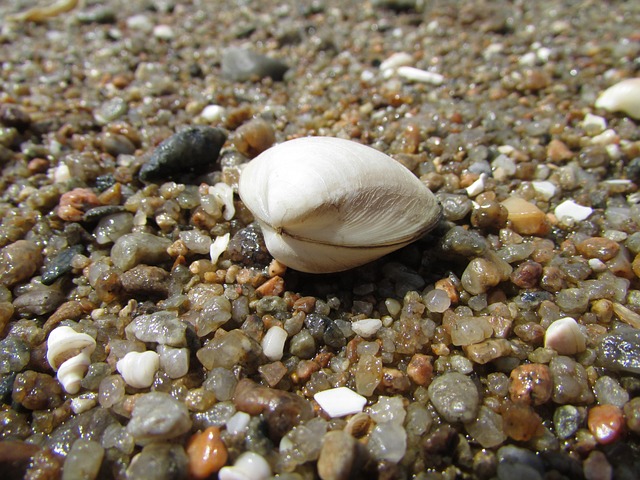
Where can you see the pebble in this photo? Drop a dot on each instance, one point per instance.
(525, 217)
(146, 280)
(160, 461)
(138, 369)
(437, 300)
(545, 189)
(479, 276)
(38, 301)
(222, 382)
(247, 247)
(565, 337)
(367, 327)
(388, 441)
(467, 243)
(598, 247)
(422, 76)
(207, 453)
(174, 361)
(597, 467)
(566, 420)
(157, 416)
(213, 113)
(606, 423)
(487, 428)
(337, 456)
(618, 351)
(521, 422)
(455, 397)
(36, 391)
(240, 65)
(609, 391)
(273, 343)
(229, 350)
(570, 211)
(530, 384)
(248, 466)
(60, 265)
(14, 355)
(488, 350)
(18, 262)
(193, 150)
(339, 402)
(469, 330)
(83, 461)
(254, 137)
(570, 381)
(163, 327)
(527, 274)
(516, 462)
(368, 374)
(622, 97)
(135, 248)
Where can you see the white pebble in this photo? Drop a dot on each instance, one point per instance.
(597, 265)
(367, 327)
(273, 343)
(213, 113)
(138, 369)
(218, 247)
(477, 187)
(341, 401)
(140, 22)
(398, 59)
(423, 76)
(624, 97)
(565, 337)
(248, 466)
(163, 32)
(545, 189)
(61, 173)
(570, 210)
(238, 423)
(437, 300)
(594, 123)
(84, 402)
(608, 137)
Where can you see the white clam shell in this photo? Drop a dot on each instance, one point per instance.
(327, 204)
(138, 369)
(71, 372)
(64, 343)
(624, 96)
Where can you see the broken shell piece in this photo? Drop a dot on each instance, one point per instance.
(64, 343)
(138, 369)
(341, 401)
(218, 247)
(248, 466)
(565, 337)
(71, 372)
(624, 97)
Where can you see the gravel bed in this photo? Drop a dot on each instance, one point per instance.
(146, 331)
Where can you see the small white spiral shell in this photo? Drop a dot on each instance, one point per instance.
(69, 353)
(138, 369)
(71, 372)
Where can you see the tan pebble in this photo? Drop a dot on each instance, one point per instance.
(635, 265)
(626, 315)
(75, 203)
(557, 151)
(530, 384)
(479, 276)
(606, 423)
(305, 304)
(521, 422)
(272, 287)
(449, 287)
(603, 309)
(598, 247)
(207, 453)
(420, 369)
(276, 268)
(254, 137)
(488, 350)
(525, 217)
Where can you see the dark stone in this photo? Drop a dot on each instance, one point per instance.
(239, 64)
(247, 247)
(14, 116)
(461, 241)
(619, 351)
(104, 182)
(333, 336)
(316, 324)
(94, 214)
(6, 387)
(60, 265)
(194, 151)
(146, 280)
(632, 170)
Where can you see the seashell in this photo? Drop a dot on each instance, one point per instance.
(138, 369)
(565, 337)
(71, 372)
(65, 343)
(328, 204)
(248, 466)
(624, 97)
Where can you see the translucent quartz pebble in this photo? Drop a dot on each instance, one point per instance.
(158, 416)
(341, 401)
(366, 327)
(388, 441)
(388, 409)
(83, 461)
(174, 361)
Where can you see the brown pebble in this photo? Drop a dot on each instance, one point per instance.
(207, 453)
(632, 414)
(479, 276)
(635, 265)
(71, 310)
(525, 217)
(276, 268)
(530, 384)
(75, 203)
(146, 280)
(521, 422)
(598, 247)
(6, 312)
(273, 372)
(274, 287)
(337, 456)
(19, 261)
(488, 350)
(530, 332)
(38, 165)
(557, 151)
(394, 381)
(305, 304)
(490, 215)
(254, 137)
(606, 423)
(45, 465)
(527, 274)
(420, 369)
(36, 391)
(553, 279)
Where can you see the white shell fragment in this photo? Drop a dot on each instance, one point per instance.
(218, 247)
(69, 353)
(138, 369)
(341, 401)
(624, 97)
(421, 76)
(327, 204)
(545, 189)
(565, 337)
(273, 343)
(366, 327)
(570, 210)
(248, 466)
(224, 195)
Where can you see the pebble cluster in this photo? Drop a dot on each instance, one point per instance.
(146, 332)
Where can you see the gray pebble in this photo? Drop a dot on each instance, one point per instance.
(619, 351)
(160, 327)
(158, 416)
(455, 397)
(18, 261)
(160, 461)
(303, 345)
(454, 207)
(14, 355)
(239, 64)
(60, 265)
(135, 248)
(38, 301)
(247, 246)
(461, 241)
(83, 461)
(609, 391)
(515, 462)
(111, 110)
(194, 151)
(567, 420)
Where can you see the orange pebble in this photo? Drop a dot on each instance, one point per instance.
(606, 423)
(207, 453)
